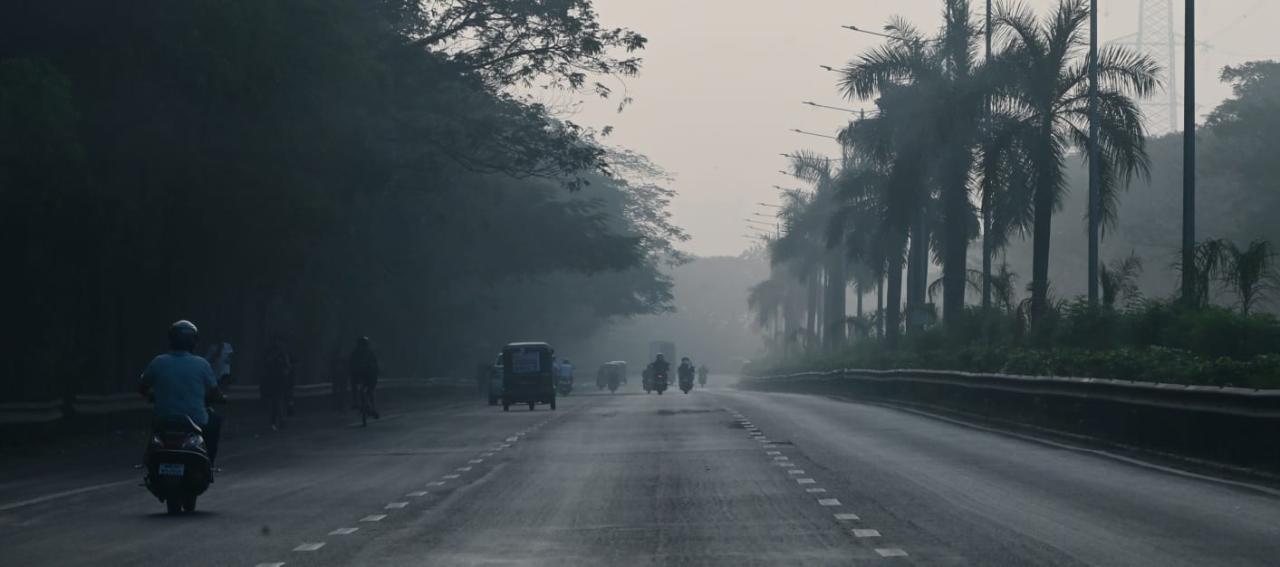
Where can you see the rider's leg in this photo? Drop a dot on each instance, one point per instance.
(212, 434)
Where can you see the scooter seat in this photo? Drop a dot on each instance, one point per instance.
(176, 424)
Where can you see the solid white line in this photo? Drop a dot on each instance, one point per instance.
(343, 531)
(56, 495)
(310, 546)
(806, 481)
(828, 502)
(890, 552)
(866, 533)
(395, 505)
(847, 517)
(373, 518)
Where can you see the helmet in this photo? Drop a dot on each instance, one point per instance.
(564, 361)
(362, 341)
(685, 359)
(183, 335)
(660, 357)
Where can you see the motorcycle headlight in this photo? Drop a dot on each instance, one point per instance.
(194, 442)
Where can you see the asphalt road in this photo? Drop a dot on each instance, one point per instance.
(717, 477)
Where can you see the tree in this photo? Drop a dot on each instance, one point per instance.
(1250, 272)
(1046, 87)
(1119, 280)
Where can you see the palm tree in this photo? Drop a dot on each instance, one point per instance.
(937, 81)
(1250, 272)
(1119, 280)
(799, 249)
(1045, 88)
(1211, 262)
(819, 171)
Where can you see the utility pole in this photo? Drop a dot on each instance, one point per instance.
(986, 209)
(1189, 292)
(1094, 196)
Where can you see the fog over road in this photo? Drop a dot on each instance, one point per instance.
(716, 477)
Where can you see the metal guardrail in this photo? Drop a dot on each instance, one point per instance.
(91, 404)
(1242, 402)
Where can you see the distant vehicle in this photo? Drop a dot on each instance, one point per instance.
(528, 376)
(612, 374)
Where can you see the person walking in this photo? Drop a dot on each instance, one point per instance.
(274, 384)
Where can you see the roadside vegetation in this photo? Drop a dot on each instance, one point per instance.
(969, 161)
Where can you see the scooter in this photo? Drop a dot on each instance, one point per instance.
(177, 463)
(660, 382)
(564, 385)
(686, 383)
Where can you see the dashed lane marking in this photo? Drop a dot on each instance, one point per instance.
(309, 546)
(773, 452)
(815, 490)
(373, 518)
(463, 469)
(395, 505)
(475, 461)
(890, 552)
(343, 531)
(436, 483)
(847, 517)
(795, 471)
(805, 481)
(280, 564)
(513, 439)
(417, 494)
(828, 502)
(866, 533)
(782, 458)
(449, 476)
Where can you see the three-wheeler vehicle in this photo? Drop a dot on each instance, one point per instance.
(528, 376)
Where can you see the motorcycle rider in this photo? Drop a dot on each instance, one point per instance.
(686, 370)
(566, 371)
(182, 384)
(660, 365)
(703, 371)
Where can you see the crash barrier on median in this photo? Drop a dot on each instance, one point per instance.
(22, 413)
(1235, 426)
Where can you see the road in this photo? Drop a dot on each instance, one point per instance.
(717, 477)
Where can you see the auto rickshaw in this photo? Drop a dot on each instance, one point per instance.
(528, 377)
(613, 374)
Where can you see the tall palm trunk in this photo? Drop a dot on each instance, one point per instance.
(1041, 231)
(893, 306)
(811, 316)
(917, 272)
(955, 249)
(834, 302)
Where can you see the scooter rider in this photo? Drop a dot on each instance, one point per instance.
(182, 384)
(660, 364)
(703, 371)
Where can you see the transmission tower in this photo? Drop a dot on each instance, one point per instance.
(1157, 40)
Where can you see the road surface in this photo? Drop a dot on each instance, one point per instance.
(717, 477)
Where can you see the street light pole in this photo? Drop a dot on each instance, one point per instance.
(986, 209)
(1095, 197)
(1189, 292)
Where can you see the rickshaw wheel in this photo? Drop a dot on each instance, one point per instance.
(553, 405)
(531, 404)
(506, 406)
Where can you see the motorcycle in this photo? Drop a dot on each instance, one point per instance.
(177, 463)
(564, 385)
(686, 383)
(660, 382)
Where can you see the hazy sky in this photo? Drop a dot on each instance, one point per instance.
(723, 83)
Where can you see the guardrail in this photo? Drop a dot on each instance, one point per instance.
(1238, 426)
(90, 404)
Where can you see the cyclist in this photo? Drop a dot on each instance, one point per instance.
(364, 376)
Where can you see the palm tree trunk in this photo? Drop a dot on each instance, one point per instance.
(811, 316)
(880, 304)
(917, 272)
(987, 252)
(1040, 234)
(835, 301)
(955, 255)
(893, 307)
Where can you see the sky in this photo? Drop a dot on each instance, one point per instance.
(723, 81)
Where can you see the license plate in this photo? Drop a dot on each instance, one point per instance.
(172, 469)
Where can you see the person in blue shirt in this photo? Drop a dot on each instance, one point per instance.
(183, 384)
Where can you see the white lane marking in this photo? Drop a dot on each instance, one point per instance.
(828, 502)
(847, 517)
(449, 476)
(773, 452)
(866, 533)
(57, 495)
(770, 446)
(762, 439)
(463, 469)
(373, 518)
(795, 471)
(343, 531)
(309, 546)
(417, 494)
(815, 490)
(395, 505)
(486, 454)
(504, 446)
(475, 461)
(280, 564)
(513, 439)
(890, 552)
(785, 464)
(436, 483)
(782, 458)
(806, 481)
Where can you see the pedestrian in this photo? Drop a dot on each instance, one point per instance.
(274, 383)
(219, 357)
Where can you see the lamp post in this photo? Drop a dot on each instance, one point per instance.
(1189, 292)
(1095, 197)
